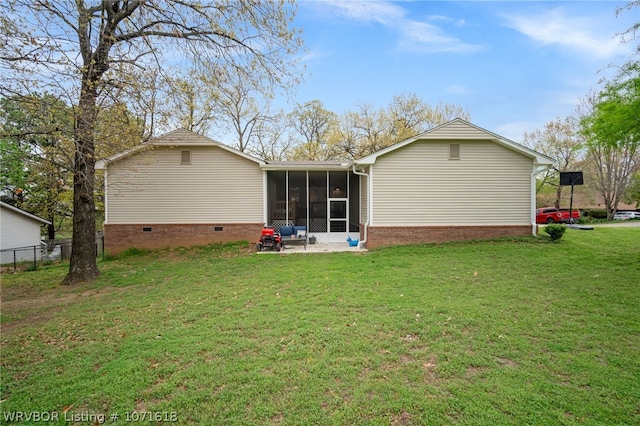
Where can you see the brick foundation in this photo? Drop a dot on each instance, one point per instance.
(159, 236)
(379, 236)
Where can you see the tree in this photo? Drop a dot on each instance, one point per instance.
(242, 105)
(190, 102)
(98, 46)
(373, 129)
(13, 173)
(631, 32)
(633, 191)
(314, 123)
(612, 132)
(562, 141)
(272, 138)
(367, 129)
(13, 154)
(410, 115)
(348, 139)
(39, 128)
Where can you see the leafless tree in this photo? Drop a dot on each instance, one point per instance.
(561, 140)
(92, 50)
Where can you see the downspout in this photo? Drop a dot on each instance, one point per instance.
(534, 174)
(265, 199)
(534, 225)
(366, 224)
(106, 202)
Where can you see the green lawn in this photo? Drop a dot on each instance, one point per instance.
(482, 333)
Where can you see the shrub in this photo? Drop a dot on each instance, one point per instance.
(555, 231)
(597, 213)
(585, 220)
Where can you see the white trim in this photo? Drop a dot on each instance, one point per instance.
(337, 236)
(533, 201)
(534, 173)
(295, 166)
(307, 219)
(24, 213)
(365, 231)
(265, 198)
(106, 200)
(370, 197)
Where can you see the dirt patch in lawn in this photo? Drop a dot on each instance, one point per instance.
(26, 306)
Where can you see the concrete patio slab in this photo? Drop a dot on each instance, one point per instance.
(317, 248)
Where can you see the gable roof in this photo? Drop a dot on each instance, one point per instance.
(24, 213)
(177, 138)
(459, 129)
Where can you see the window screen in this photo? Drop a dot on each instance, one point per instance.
(185, 157)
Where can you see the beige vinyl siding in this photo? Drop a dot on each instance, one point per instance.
(154, 187)
(419, 185)
(18, 231)
(456, 130)
(182, 137)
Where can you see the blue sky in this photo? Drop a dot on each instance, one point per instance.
(514, 65)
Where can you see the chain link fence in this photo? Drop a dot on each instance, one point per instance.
(29, 257)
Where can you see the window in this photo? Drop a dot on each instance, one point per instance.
(185, 157)
(454, 151)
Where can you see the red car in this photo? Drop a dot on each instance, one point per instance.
(553, 215)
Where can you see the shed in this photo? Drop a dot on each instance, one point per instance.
(19, 234)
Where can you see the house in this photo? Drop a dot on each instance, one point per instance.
(19, 234)
(456, 181)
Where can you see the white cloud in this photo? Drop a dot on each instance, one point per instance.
(414, 35)
(554, 27)
(313, 55)
(516, 130)
(422, 37)
(447, 19)
(368, 11)
(458, 89)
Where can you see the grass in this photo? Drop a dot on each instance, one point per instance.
(506, 332)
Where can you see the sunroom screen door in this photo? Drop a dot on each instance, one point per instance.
(338, 218)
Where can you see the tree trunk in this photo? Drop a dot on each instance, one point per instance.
(83, 265)
(558, 196)
(51, 229)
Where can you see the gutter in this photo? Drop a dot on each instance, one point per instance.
(366, 225)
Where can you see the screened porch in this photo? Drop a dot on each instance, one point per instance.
(326, 202)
